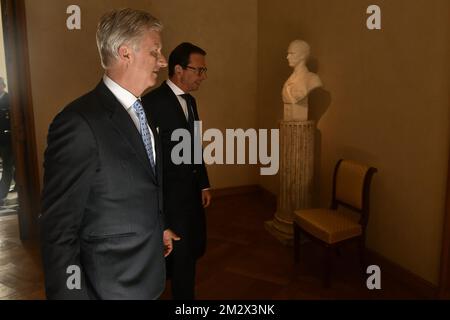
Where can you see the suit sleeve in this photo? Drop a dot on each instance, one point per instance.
(203, 177)
(69, 166)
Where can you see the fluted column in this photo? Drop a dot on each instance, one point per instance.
(296, 176)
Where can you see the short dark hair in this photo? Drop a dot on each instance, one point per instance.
(181, 54)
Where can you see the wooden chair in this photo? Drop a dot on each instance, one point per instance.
(332, 228)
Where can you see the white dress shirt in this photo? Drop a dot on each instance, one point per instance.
(178, 92)
(127, 99)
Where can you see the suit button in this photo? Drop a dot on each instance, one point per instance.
(194, 171)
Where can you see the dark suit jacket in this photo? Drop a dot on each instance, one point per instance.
(102, 204)
(183, 210)
(5, 121)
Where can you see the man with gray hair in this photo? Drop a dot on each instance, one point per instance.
(101, 222)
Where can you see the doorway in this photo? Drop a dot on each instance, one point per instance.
(444, 283)
(8, 191)
(8, 198)
(25, 190)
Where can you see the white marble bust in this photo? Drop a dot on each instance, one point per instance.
(299, 84)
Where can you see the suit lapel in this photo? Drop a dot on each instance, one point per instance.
(125, 125)
(158, 150)
(175, 103)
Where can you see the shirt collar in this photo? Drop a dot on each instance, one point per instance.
(125, 97)
(175, 88)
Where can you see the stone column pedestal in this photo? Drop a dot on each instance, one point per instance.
(296, 176)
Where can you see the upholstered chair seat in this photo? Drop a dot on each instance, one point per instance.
(330, 226)
(345, 220)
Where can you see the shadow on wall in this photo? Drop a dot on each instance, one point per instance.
(319, 101)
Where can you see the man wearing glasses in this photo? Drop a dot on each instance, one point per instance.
(186, 185)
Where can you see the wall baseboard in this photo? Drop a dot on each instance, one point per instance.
(268, 196)
(409, 279)
(231, 191)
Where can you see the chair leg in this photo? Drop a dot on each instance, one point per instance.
(327, 267)
(296, 242)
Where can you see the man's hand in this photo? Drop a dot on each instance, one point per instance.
(206, 198)
(168, 236)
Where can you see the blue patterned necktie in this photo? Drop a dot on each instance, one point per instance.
(145, 132)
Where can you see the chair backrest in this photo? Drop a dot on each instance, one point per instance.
(351, 186)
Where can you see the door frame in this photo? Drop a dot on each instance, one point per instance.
(444, 281)
(22, 116)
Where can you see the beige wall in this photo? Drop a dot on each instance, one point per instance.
(65, 64)
(385, 102)
(385, 98)
(227, 99)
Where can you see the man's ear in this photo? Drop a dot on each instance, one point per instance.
(124, 53)
(178, 69)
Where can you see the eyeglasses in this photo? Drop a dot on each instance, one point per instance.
(200, 70)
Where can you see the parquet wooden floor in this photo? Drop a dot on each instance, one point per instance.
(243, 261)
(21, 276)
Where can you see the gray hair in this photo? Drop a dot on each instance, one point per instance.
(122, 26)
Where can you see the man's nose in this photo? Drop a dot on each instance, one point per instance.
(162, 61)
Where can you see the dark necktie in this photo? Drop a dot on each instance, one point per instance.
(195, 134)
(189, 102)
